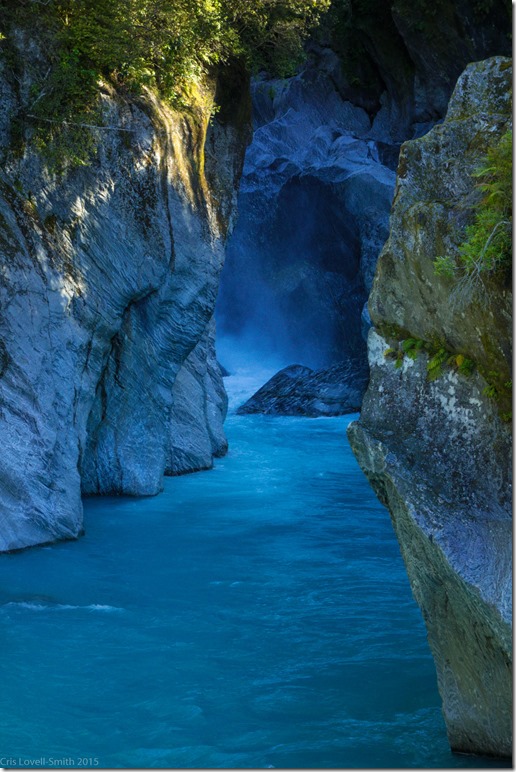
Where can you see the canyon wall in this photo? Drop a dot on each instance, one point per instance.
(313, 215)
(435, 444)
(319, 174)
(109, 276)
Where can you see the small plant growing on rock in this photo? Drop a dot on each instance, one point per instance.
(464, 365)
(412, 347)
(438, 356)
(490, 391)
(436, 362)
(487, 249)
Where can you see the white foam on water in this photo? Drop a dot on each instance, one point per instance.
(31, 606)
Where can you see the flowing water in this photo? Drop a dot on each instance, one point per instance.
(256, 615)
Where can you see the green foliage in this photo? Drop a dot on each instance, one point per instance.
(390, 352)
(487, 249)
(396, 354)
(412, 346)
(441, 359)
(439, 356)
(490, 391)
(489, 239)
(445, 265)
(166, 45)
(464, 365)
(436, 362)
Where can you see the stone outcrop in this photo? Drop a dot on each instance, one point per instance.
(313, 210)
(401, 59)
(298, 390)
(108, 283)
(437, 452)
(319, 175)
(200, 405)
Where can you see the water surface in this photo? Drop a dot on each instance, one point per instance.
(257, 615)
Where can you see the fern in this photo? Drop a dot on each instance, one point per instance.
(487, 248)
(435, 364)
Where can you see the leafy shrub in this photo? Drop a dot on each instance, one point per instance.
(464, 365)
(162, 44)
(412, 347)
(488, 245)
(445, 265)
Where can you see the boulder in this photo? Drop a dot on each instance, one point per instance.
(298, 390)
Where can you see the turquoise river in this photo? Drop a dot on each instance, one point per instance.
(257, 615)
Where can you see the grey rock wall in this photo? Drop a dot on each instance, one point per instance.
(108, 283)
(199, 409)
(437, 452)
(319, 174)
(401, 59)
(313, 215)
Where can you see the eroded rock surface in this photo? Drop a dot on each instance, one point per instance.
(199, 408)
(437, 452)
(319, 174)
(313, 215)
(298, 390)
(109, 276)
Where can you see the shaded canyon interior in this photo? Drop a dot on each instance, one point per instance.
(109, 376)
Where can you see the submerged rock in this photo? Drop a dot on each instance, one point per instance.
(108, 283)
(298, 390)
(437, 452)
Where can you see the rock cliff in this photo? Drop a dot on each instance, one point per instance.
(436, 450)
(313, 215)
(401, 58)
(319, 174)
(109, 276)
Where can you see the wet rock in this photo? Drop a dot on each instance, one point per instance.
(298, 390)
(319, 174)
(199, 409)
(313, 208)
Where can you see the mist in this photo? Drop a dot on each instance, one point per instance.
(313, 211)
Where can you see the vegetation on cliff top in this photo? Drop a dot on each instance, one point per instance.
(162, 44)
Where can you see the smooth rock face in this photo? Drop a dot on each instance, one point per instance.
(108, 283)
(298, 390)
(319, 174)
(199, 409)
(436, 452)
